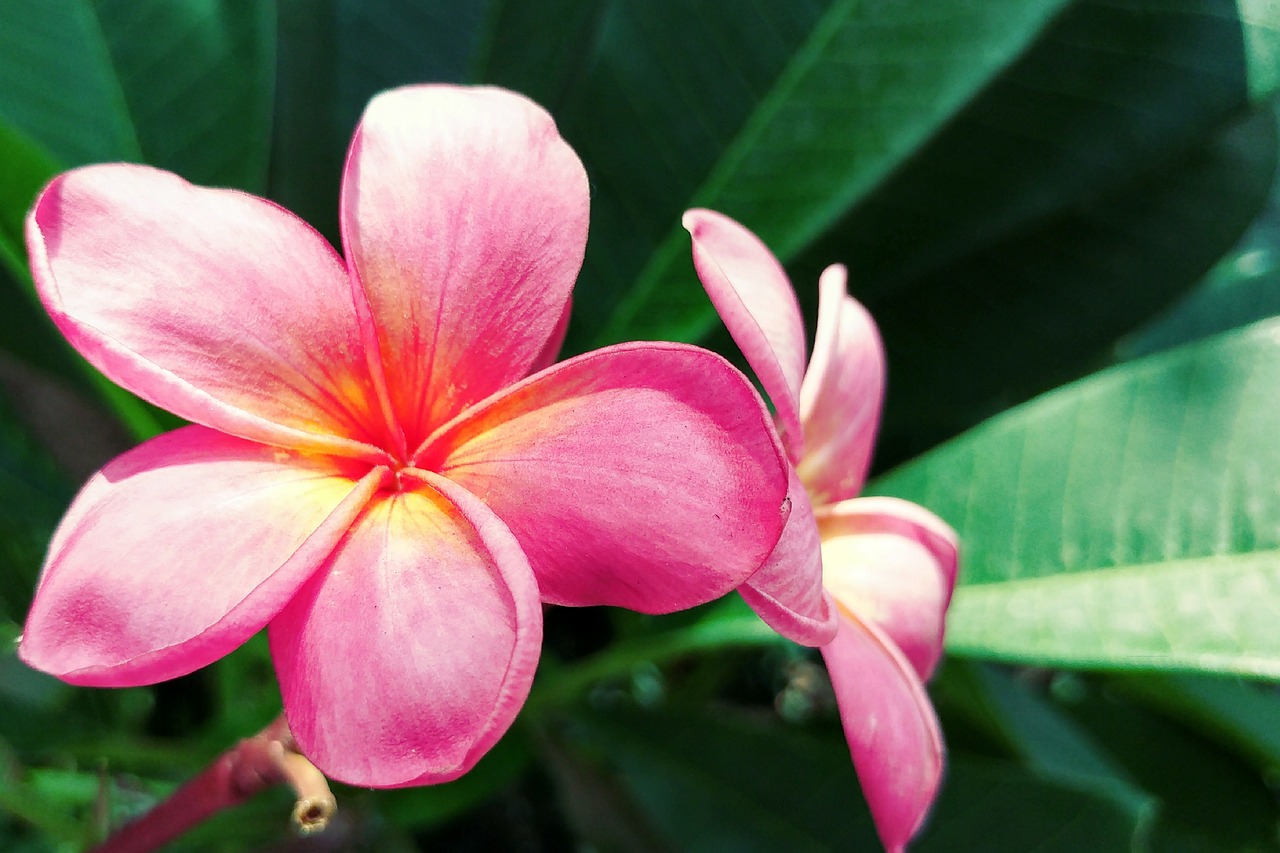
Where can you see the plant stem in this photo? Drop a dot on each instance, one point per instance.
(268, 758)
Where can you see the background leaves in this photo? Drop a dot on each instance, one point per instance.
(1026, 192)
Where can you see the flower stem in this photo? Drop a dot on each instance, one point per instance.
(268, 758)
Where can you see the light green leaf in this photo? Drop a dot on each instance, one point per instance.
(1131, 520)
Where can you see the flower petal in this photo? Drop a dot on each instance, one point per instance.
(750, 290)
(842, 394)
(551, 351)
(180, 550)
(464, 214)
(892, 730)
(216, 305)
(409, 655)
(892, 563)
(643, 475)
(786, 592)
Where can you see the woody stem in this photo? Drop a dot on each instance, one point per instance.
(268, 758)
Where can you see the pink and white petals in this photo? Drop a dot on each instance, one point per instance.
(892, 563)
(464, 215)
(753, 296)
(180, 550)
(889, 723)
(216, 305)
(411, 652)
(644, 476)
(842, 394)
(786, 592)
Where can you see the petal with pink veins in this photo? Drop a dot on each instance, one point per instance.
(890, 725)
(753, 296)
(411, 652)
(842, 394)
(464, 214)
(786, 592)
(180, 550)
(892, 563)
(216, 305)
(551, 351)
(645, 476)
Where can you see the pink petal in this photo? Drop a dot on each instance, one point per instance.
(892, 563)
(180, 550)
(787, 590)
(892, 730)
(751, 291)
(551, 351)
(409, 655)
(214, 304)
(842, 394)
(465, 216)
(644, 475)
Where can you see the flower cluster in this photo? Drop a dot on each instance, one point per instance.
(388, 470)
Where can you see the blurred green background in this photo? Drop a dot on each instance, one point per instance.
(1060, 212)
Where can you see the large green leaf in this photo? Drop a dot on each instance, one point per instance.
(1211, 801)
(1242, 288)
(1043, 738)
(727, 784)
(198, 77)
(57, 83)
(1049, 302)
(1111, 90)
(1131, 520)
(1238, 714)
(870, 84)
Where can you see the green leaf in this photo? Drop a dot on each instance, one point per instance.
(1242, 288)
(33, 495)
(1210, 800)
(199, 78)
(1238, 714)
(1043, 738)
(1131, 520)
(57, 83)
(1048, 303)
(870, 84)
(723, 783)
(336, 54)
(1111, 90)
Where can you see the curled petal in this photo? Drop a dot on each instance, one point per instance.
(407, 657)
(890, 725)
(216, 305)
(464, 214)
(787, 590)
(842, 394)
(893, 563)
(646, 476)
(750, 290)
(180, 550)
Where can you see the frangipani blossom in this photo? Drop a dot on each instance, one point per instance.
(888, 565)
(384, 469)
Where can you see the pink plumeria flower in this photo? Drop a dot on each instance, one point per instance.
(888, 565)
(386, 471)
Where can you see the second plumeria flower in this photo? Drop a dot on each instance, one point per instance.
(867, 579)
(385, 470)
